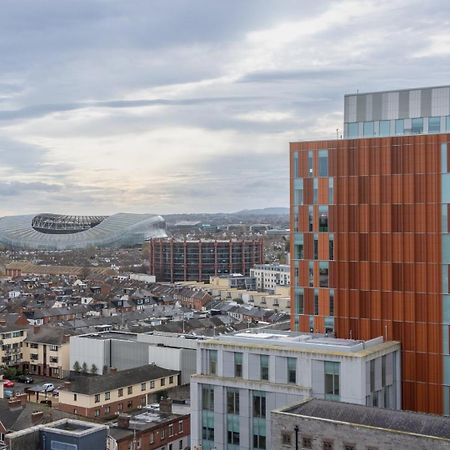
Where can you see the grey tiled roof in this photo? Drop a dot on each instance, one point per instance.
(405, 421)
(94, 384)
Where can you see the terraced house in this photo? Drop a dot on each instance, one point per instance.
(108, 395)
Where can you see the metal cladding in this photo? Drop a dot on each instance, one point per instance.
(61, 232)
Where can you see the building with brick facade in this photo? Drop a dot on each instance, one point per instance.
(370, 248)
(105, 396)
(174, 260)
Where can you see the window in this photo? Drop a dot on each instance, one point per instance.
(107, 395)
(162, 434)
(315, 190)
(97, 412)
(264, 367)
(259, 404)
(323, 163)
(298, 192)
(327, 445)
(292, 370)
(311, 273)
(316, 246)
(384, 128)
(259, 442)
(238, 365)
(233, 437)
(330, 191)
(180, 426)
(33, 345)
(286, 438)
(300, 300)
(97, 398)
(233, 401)
(208, 433)
(58, 445)
(170, 430)
(331, 247)
(120, 406)
(434, 125)
(53, 348)
(152, 438)
(323, 218)
(180, 446)
(75, 397)
(372, 375)
(310, 218)
(163, 381)
(399, 126)
(331, 300)
(383, 370)
(310, 163)
(323, 273)
(307, 442)
(368, 129)
(349, 447)
(107, 410)
(298, 246)
(208, 399)
(212, 362)
(332, 380)
(152, 384)
(417, 125)
(353, 130)
(130, 390)
(143, 386)
(171, 380)
(120, 392)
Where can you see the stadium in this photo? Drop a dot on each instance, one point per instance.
(61, 232)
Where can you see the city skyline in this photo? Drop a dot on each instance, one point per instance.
(188, 107)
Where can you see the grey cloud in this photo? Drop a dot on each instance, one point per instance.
(17, 188)
(21, 156)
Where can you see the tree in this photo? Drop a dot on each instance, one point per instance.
(76, 366)
(94, 369)
(84, 368)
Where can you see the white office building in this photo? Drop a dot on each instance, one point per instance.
(269, 276)
(241, 378)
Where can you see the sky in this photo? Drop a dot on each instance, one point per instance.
(178, 106)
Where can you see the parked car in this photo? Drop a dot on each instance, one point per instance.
(25, 379)
(48, 387)
(8, 383)
(8, 393)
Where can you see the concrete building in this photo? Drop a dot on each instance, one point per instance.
(269, 276)
(321, 424)
(175, 260)
(241, 378)
(12, 341)
(165, 427)
(370, 241)
(120, 350)
(105, 396)
(396, 113)
(62, 434)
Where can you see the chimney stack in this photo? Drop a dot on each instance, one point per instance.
(14, 403)
(36, 417)
(123, 421)
(165, 405)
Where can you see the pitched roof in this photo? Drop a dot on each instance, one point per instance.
(89, 384)
(392, 420)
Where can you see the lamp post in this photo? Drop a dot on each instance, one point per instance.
(296, 437)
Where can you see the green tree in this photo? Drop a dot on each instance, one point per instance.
(84, 368)
(94, 369)
(76, 367)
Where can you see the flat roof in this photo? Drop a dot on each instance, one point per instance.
(396, 90)
(387, 419)
(302, 341)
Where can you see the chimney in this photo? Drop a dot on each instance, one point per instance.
(36, 329)
(112, 370)
(165, 405)
(14, 403)
(123, 421)
(22, 398)
(36, 417)
(2, 322)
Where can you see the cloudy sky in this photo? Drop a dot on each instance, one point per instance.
(189, 105)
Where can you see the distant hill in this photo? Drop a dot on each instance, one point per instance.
(264, 212)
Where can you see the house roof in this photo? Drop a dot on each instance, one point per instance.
(89, 384)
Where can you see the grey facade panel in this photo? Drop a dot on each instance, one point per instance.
(425, 100)
(403, 104)
(377, 99)
(361, 108)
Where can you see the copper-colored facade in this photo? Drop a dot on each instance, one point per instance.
(379, 253)
(174, 260)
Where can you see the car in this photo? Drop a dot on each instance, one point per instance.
(25, 379)
(8, 393)
(8, 383)
(48, 387)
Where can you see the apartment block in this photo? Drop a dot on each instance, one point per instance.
(269, 276)
(12, 339)
(241, 378)
(104, 396)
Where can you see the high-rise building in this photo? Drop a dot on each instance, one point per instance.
(369, 234)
